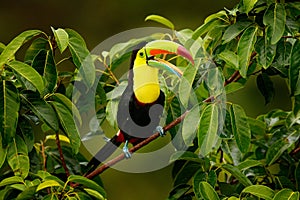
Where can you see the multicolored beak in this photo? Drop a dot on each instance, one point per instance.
(159, 47)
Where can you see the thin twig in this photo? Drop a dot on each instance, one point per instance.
(112, 75)
(62, 158)
(43, 155)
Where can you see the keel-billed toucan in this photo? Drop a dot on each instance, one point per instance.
(142, 102)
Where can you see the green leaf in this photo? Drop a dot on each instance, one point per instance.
(69, 104)
(160, 20)
(54, 178)
(3, 152)
(247, 5)
(198, 177)
(260, 191)
(9, 111)
(186, 172)
(10, 50)
(111, 112)
(282, 58)
(240, 127)
(173, 111)
(234, 30)
(81, 57)
(36, 46)
(245, 49)
(275, 19)
(42, 109)
(204, 28)
(28, 73)
(202, 176)
(47, 184)
(265, 52)
(214, 81)
(257, 127)
(83, 195)
(294, 69)
(27, 132)
(265, 86)
(61, 37)
(2, 47)
(42, 174)
(27, 193)
(44, 63)
(234, 171)
(185, 155)
(11, 180)
(207, 191)
(248, 164)
(184, 37)
(186, 85)
(286, 194)
(190, 125)
(219, 15)
(281, 145)
(17, 157)
(296, 105)
(212, 38)
(230, 58)
(179, 191)
(231, 149)
(297, 176)
(87, 183)
(232, 87)
(68, 124)
(52, 196)
(94, 193)
(208, 129)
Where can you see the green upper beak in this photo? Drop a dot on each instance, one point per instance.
(166, 47)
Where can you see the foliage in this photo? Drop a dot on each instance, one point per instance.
(36, 110)
(221, 152)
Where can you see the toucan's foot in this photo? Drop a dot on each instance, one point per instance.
(126, 150)
(160, 130)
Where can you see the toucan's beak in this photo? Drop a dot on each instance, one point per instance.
(166, 47)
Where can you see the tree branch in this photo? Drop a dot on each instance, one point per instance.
(120, 157)
(62, 158)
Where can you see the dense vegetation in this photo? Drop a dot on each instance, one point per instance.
(222, 153)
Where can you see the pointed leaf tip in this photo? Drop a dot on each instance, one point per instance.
(161, 20)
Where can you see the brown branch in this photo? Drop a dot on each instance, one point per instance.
(120, 157)
(112, 75)
(295, 151)
(233, 78)
(62, 158)
(290, 36)
(43, 156)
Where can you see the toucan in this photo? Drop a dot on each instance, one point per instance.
(142, 102)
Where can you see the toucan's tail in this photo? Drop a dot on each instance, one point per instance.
(104, 153)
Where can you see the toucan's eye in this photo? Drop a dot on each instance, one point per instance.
(141, 54)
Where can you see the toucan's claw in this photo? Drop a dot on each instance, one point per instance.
(126, 150)
(160, 130)
(106, 139)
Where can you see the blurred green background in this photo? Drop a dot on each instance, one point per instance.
(98, 20)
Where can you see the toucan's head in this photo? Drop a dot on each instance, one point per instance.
(146, 52)
(145, 66)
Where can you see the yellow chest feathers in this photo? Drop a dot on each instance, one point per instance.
(145, 83)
